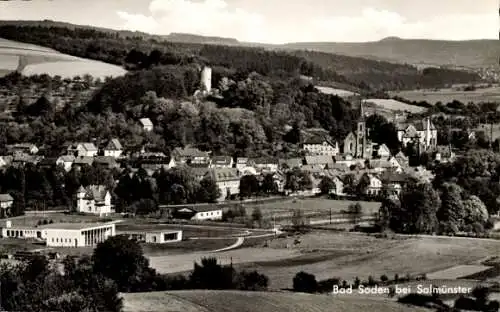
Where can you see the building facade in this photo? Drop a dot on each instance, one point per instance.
(94, 199)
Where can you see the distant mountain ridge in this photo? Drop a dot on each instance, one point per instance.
(470, 53)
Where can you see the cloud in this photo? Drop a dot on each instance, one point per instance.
(373, 24)
(209, 17)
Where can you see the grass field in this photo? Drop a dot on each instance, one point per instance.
(457, 272)
(394, 105)
(335, 91)
(31, 220)
(188, 231)
(230, 301)
(186, 246)
(311, 206)
(42, 60)
(448, 95)
(345, 256)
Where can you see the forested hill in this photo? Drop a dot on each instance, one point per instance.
(138, 52)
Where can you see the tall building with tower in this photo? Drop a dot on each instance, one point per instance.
(206, 79)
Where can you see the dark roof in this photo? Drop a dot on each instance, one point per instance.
(108, 160)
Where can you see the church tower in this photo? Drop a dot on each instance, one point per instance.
(361, 133)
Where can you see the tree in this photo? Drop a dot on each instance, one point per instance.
(452, 209)
(475, 211)
(355, 212)
(417, 212)
(326, 184)
(121, 260)
(252, 281)
(209, 191)
(249, 185)
(211, 275)
(305, 282)
(268, 186)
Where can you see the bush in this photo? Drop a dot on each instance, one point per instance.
(305, 282)
(477, 228)
(371, 281)
(396, 278)
(356, 283)
(490, 224)
(384, 278)
(326, 286)
(252, 281)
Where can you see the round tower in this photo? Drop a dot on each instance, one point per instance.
(206, 79)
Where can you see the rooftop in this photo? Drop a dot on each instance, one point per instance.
(73, 226)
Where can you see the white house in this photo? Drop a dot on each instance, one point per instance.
(200, 213)
(265, 164)
(190, 155)
(338, 188)
(66, 161)
(113, 149)
(147, 124)
(319, 146)
(82, 150)
(383, 151)
(374, 186)
(241, 162)
(422, 132)
(94, 199)
(6, 202)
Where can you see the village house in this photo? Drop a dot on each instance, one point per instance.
(383, 151)
(107, 162)
(264, 164)
(241, 162)
(147, 124)
(93, 199)
(198, 212)
(221, 162)
(338, 188)
(228, 181)
(81, 161)
(82, 149)
(443, 154)
(113, 149)
(5, 161)
(153, 162)
(325, 161)
(66, 161)
(393, 183)
(21, 159)
(374, 185)
(402, 160)
(47, 163)
(320, 146)
(290, 163)
(25, 148)
(190, 155)
(6, 202)
(383, 164)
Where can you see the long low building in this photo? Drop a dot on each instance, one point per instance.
(154, 237)
(63, 234)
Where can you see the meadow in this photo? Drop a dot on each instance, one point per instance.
(448, 95)
(348, 255)
(229, 301)
(393, 105)
(335, 91)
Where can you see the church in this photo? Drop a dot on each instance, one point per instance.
(356, 144)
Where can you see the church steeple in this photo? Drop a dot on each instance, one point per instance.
(361, 132)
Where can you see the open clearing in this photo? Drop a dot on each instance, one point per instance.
(311, 206)
(457, 272)
(42, 60)
(448, 95)
(346, 256)
(335, 91)
(394, 105)
(230, 301)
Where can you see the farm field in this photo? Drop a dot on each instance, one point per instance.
(229, 301)
(335, 91)
(353, 255)
(457, 272)
(42, 60)
(393, 105)
(448, 95)
(312, 205)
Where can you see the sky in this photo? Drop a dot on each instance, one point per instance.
(275, 21)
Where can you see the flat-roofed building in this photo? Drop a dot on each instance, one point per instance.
(78, 234)
(155, 237)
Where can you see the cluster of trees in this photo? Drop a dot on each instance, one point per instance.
(420, 209)
(139, 53)
(93, 283)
